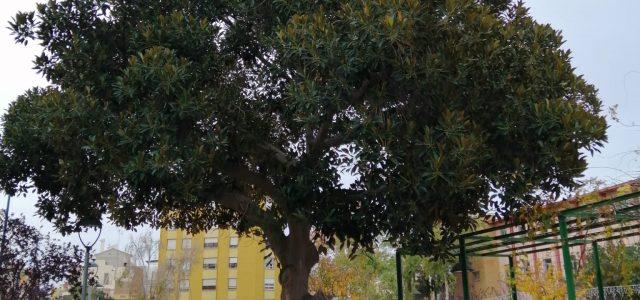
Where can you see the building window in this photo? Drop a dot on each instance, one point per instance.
(209, 284)
(184, 285)
(476, 275)
(268, 262)
(233, 262)
(171, 262)
(546, 264)
(269, 284)
(105, 280)
(233, 283)
(524, 266)
(210, 263)
(169, 285)
(233, 242)
(171, 244)
(186, 244)
(211, 242)
(507, 270)
(186, 266)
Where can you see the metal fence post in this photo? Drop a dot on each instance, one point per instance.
(512, 277)
(566, 258)
(596, 260)
(463, 268)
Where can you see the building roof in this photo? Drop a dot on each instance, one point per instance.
(112, 251)
(615, 208)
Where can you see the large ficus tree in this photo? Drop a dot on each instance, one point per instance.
(298, 120)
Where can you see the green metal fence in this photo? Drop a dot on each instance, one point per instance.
(581, 225)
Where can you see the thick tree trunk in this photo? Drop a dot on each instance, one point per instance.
(297, 258)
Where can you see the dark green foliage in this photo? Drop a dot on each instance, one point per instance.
(247, 114)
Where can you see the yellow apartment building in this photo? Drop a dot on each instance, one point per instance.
(215, 265)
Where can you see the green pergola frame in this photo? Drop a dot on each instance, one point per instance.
(495, 242)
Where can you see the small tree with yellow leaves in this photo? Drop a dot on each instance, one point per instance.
(333, 279)
(540, 283)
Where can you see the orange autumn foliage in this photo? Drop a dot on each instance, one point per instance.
(333, 279)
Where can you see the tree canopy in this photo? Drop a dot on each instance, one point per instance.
(349, 118)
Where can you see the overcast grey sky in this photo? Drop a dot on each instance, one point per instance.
(603, 36)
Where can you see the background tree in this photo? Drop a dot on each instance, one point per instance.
(540, 283)
(335, 278)
(33, 263)
(373, 275)
(144, 249)
(363, 276)
(349, 118)
(169, 277)
(424, 276)
(619, 264)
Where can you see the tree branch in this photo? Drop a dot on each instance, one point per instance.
(318, 143)
(280, 155)
(241, 173)
(321, 139)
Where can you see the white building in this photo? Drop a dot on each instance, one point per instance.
(116, 274)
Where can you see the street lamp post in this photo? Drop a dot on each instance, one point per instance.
(4, 234)
(85, 271)
(4, 231)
